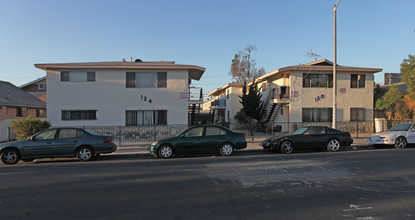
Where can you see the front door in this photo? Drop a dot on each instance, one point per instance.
(190, 141)
(314, 137)
(67, 141)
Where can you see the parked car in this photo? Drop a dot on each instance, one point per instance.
(313, 137)
(57, 142)
(200, 139)
(398, 136)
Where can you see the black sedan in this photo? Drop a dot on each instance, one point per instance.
(307, 138)
(57, 142)
(200, 139)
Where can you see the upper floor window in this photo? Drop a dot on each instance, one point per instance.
(41, 86)
(77, 76)
(317, 80)
(69, 115)
(357, 81)
(146, 80)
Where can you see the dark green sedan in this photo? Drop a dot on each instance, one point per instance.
(200, 139)
(57, 142)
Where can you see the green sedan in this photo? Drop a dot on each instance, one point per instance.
(57, 142)
(200, 139)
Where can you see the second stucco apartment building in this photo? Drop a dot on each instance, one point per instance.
(119, 93)
(304, 93)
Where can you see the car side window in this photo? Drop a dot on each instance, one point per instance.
(69, 133)
(46, 135)
(413, 128)
(194, 132)
(317, 130)
(211, 131)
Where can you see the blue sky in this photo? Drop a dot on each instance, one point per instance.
(371, 33)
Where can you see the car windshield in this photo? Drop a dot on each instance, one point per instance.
(400, 127)
(300, 131)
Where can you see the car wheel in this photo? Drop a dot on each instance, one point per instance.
(10, 156)
(333, 145)
(286, 147)
(400, 143)
(226, 149)
(165, 151)
(85, 154)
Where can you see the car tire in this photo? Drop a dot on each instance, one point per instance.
(10, 156)
(400, 143)
(333, 145)
(286, 147)
(165, 151)
(85, 153)
(226, 149)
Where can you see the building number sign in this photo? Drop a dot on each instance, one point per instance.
(146, 99)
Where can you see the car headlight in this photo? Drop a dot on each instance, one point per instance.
(154, 143)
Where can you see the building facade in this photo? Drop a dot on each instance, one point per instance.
(119, 93)
(36, 88)
(17, 104)
(225, 103)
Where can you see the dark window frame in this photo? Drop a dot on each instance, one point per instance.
(356, 83)
(78, 115)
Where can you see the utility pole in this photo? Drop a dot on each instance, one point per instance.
(335, 68)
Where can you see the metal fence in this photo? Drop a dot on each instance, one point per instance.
(125, 136)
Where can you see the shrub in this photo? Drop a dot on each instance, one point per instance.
(28, 126)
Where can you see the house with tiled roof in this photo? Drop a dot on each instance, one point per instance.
(16, 103)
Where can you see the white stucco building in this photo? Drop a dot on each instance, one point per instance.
(119, 93)
(225, 102)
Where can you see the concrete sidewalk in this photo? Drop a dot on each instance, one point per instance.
(358, 143)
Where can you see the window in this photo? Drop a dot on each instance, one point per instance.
(69, 133)
(194, 132)
(357, 114)
(357, 81)
(21, 111)
(317, 114)
(146, 80)
(40, 113)
(317, 80)
(145, 117)
(46, 135)
(41, 86)
(212, 131)
(316, 130)
(72, 115)
(78, 76)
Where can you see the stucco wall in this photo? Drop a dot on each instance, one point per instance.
(110, 97)
(232, 104)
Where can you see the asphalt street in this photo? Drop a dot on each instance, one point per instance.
(355, 184)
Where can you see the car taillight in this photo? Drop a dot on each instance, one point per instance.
(244, 135)
(107, 140)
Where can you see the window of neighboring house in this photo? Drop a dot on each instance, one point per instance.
(317, 114)
(357, 81)
(146, 80)
(317, 80)
(357, 114)
(145, 117)
(21, 111)
(41, 86)
(77, 76)
(40, 113)
(76, 115)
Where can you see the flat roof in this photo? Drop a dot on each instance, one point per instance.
(195, 72)
(219, 90)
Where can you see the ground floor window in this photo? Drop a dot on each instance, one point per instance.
(317, 114)
(72, 115)
(357, 114)
(145, 117)
(40, 113)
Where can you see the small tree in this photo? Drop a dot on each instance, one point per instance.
(408, 73)
(243, 67)
(393, 105)
(28, 126)
(251, 101)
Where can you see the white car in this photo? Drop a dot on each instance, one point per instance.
(399, 136)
